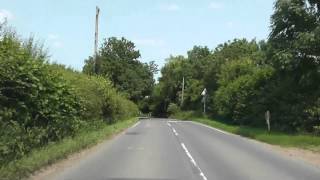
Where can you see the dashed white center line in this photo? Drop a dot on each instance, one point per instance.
(169, 124)
(193, 161)
(175, 132)
(188, 154)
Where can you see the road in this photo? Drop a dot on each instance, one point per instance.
(160, 149)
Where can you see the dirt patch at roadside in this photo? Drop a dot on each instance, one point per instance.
(50, 170)
(306, 155)
(302, 154)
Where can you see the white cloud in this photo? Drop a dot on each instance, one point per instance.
(5, 15)
(149, 42)
(171, 7)
(215, 5)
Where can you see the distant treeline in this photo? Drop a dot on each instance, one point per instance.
(245, 78)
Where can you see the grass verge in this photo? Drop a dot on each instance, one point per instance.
(49, 154)
(304, 141)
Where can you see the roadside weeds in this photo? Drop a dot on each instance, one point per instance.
(41, 158)
(302, 141)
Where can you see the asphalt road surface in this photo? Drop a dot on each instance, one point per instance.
(162, 149)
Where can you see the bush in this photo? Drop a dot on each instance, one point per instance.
(36, 105)
(173, 109)
(241, 97)
(99, 98)
(42, 103)
(187, 115)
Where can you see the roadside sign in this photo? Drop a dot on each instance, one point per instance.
(204, 92)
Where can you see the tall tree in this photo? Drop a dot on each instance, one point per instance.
(118, 60)
(295, 53)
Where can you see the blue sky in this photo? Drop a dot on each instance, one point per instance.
(159, 28)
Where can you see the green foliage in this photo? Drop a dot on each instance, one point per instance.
(245, 78)
(118, 60)
(295, 52)
(186, 115)
(201, 69)
(173, 109)
(36, 105)
(193, 98)
(94, 133)
(158, 101)
(41, 103)
(99, 98)
(242, 92)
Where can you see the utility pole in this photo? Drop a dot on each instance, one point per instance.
(96, 40)
(182, 91)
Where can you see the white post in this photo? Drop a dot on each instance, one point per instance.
(267, 116)
(204, 104)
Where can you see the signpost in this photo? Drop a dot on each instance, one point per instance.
(204, 94)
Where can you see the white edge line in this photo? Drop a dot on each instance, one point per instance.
(173, 121)
(221, 131)
(136, 124)
(193, 161)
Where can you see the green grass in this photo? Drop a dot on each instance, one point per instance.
(53, 152)
(304, 141)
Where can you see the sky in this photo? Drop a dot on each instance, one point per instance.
(159, 28)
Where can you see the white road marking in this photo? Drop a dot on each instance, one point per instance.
(136, 124)
(193, 161)
(187, 151)
(174, 121)
(168, 124)
(175, 132)
(221, 131)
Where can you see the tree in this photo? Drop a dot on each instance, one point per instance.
(192, 68)
(246, 78)
(198, 52)
(295, 53)
(118, 60)
(242, 95)
(168, 90)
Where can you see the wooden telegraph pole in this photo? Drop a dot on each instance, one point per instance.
(182, 92)
(96, 40)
